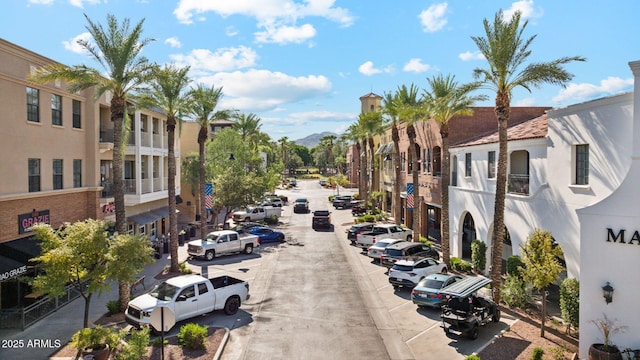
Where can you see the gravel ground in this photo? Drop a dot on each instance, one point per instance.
(518, 343)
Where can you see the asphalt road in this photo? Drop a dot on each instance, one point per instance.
(316, 297)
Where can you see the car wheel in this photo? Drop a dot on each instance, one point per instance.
(409, 238)
(232, 305)
(496, 315)
(281, 238)
(247, 219)
(474, 332)
(209, 255)
(444, 270)
(248, 249)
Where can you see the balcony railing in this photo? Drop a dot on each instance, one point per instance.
(145, 139)
(147, 186)
(129, 186)
(107, 190)
(157, 184)
(106, 135)
(157, 141)
(518, 184)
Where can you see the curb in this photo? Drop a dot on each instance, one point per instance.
(225, 338)
(497, 336)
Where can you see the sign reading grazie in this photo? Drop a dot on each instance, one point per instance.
(26, 221)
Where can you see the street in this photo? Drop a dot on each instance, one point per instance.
(317, 297)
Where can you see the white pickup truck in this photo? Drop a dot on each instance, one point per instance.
(383, 231)
(222, 242)
(188, 296)
(256, 213)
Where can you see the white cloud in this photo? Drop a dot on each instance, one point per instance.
(80, 3)
(525, 102)
(584, 91)
(259, 90)
(467, 56)
(526, 9)
(41, 2)
(415, 65)
(310, 117)
(173, 41)
(73, 46)
(433, 18)
(231, 31)
(274, 16)
(286, 34)
(224, 59)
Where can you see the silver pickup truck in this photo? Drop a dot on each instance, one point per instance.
(222, 242)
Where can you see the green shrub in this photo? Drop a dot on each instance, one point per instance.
(271, 219)
(184, 269)
(537, 354)
(426, 241)
(558, 353)
(331, 198)
(158, 342)
(193, 336)
(136, 346)
(113, 307)
(514, 291)
(570, 301)
(472, 357)
(460, 265)
(514, 263)
(478, 254)
(455, 262)
(368, 218)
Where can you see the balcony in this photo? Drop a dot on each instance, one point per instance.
(145, 139)
(107, 189)
(106, 135)
(518, 184)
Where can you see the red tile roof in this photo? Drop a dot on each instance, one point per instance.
(530, 129)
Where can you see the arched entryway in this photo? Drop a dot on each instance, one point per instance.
(468, 235)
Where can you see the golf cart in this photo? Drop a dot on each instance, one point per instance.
(464, 311)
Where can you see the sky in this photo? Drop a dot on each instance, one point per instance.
(302, 65)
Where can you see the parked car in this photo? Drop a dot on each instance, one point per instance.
(273, 201)
(321, 219)
(376, 250)
(427, 292)
(266, 234)
(358, 208)
(342, 201)
(301, 205)
(410, 272)
(404, 249)
(322, 182)
(293, 182)
(383, 231)
(356, 229)
(222, 243)
(464, 310)
(246, 226)
(256, 213)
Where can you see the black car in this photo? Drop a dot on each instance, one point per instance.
(356, 229)
(407, 250)
(342, 201)
(321, 219)
(301, 205)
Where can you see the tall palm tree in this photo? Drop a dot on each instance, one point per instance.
(328, 141)
(118, 50)
(390, 109)
(356, 134)
(372, 123)
(447, 99)
(166, 92)
(204, 101)
(411, 110)
(506, 53)
(284, 147)
(248, 126)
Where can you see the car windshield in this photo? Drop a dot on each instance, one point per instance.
(212, 237)
(431, 283)
(301, 200)
(402, 267)
(163, 291)
(382, 244)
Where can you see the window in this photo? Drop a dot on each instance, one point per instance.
(130, 228)
(56, 109)
(77, 119)
(582, 164)
(33, 104)
(467, 165)
(34, 175)
(142, 230)
(202, 288)
(152, 231)
(491, 169)
(427, 160)
(57, 174)
(403, 161)
(77, 173)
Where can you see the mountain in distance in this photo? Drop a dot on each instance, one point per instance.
(313, 140)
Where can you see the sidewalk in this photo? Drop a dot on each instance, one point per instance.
(40, 340)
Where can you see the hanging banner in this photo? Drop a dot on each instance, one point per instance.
(409, 196)
(208, 196)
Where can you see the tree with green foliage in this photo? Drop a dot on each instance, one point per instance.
(84, 255)
(506, 53)
(542, 267)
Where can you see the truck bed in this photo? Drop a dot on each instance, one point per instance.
(222, 281)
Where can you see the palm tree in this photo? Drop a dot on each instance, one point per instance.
(372, 123)
(506, 53)
(355, 133)
(248, 126)
(447, 99)
(118, 50)
(328, 141)
(283, 144)
(166, 92)
(204, 101)
(411, 109)
(390, 109)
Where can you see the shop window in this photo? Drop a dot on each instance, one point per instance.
(57, 174)
(491, 167)
(142, 230)
(467, 165)
(130, 229)
(34, 175)
(77, 173)
(77, 117)
(152, 230)
(582, 164)
(56, 109)
(33, 104)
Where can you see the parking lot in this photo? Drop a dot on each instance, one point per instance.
(315, 297)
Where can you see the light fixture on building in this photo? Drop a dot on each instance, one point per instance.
(387, 157)
(607, 292)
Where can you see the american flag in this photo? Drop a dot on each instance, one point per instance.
(208, 196)
(409, 196)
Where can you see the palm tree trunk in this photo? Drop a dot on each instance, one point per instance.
(173, 216)
(363, 175)
(502, 113)
(360, 184)
(202, 138)
(397, 202)
(370, 171)
(411, 134)
(445, 181)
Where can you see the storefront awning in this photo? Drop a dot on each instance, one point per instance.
(150, 216)
(16, 256)
(385, 149)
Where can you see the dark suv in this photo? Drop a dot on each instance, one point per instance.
(321, 219)
(406, 250)
(356, 229)
(342, 201)
(301, 205)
